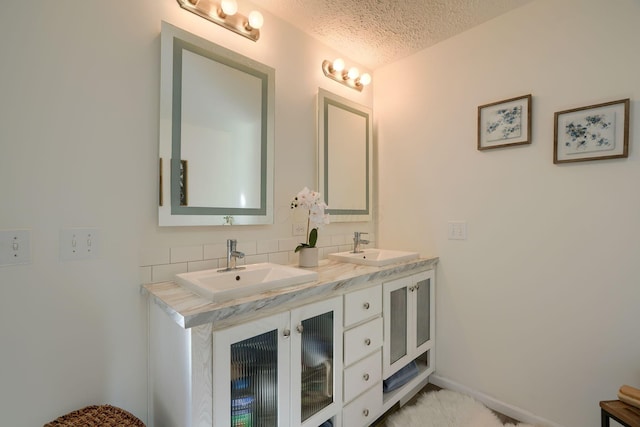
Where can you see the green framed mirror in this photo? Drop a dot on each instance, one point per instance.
(345, 154)
(216, 134)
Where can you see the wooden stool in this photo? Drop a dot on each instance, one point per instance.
(626, 415)
(98, 416)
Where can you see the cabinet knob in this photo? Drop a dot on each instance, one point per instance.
(367, 341)
(366, 306)
(365, 377)
(286, 333)
(365, 412)
(412, 288)
(418, 286)
(300, 328)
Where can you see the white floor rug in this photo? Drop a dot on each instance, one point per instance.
(446, 408)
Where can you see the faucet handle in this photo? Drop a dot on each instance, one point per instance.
(357, 234)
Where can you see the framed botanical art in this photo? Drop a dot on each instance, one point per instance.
(595, 132)
(504, 123)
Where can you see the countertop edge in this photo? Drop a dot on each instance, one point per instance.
(335, 278)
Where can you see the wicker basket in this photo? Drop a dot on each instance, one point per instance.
(97, 416)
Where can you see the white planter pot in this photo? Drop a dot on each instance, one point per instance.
(308, 257)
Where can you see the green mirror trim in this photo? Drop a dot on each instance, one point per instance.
(177, 175)
(345, 157)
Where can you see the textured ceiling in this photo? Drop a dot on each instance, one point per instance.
(377, 32)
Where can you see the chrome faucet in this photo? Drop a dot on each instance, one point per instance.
(232, 256)
(357, 241)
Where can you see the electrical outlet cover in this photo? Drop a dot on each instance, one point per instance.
(457, 230)
(299, 229)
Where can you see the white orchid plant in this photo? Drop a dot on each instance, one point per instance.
(312, 202)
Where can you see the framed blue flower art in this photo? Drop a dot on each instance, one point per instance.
(595, 132)
(504, 123)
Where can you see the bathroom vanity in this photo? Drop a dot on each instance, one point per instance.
(296, 356)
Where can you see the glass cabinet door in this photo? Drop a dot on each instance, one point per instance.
(254, 381)
(316, 359)
(422, 290)
(398, 318)
(251, 374)
(396, 303)
(407, 307)
(316, 378)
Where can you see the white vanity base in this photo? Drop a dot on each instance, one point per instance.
(183, 327)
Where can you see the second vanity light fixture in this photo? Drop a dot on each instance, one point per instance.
(225, 13)
(336, 70)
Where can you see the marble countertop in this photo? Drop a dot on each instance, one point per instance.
(188, 309)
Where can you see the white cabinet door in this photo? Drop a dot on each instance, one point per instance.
(282, 370)
(408, 311)
(424, 313)
(251, 371)
(316, 362)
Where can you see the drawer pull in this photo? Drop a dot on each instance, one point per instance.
(286, 333)
(300, 328)
(365, 377)
(366, 306)
(367, 341)
(365, 412)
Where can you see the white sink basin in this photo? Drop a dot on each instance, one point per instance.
(374, 257)
(222, 286)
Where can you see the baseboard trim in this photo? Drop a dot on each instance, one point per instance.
(493, 403)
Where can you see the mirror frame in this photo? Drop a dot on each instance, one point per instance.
(338, 213)
(171, 212)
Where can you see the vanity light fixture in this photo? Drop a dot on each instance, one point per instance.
(225, 13)
(336, 71)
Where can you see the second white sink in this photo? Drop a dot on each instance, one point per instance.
(220, 286)
(374, 257)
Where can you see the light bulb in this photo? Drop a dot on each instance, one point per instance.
(353, 73)
(365, 79)
(229, 7)
(338, 65)
(256, 20)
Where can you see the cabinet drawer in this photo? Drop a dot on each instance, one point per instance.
(364, 410)
(362, 340)
(363, 304)
(362, 375)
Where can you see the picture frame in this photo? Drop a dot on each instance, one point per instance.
(504, 123)
(595, 132)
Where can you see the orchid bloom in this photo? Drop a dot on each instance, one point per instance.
(312, 202)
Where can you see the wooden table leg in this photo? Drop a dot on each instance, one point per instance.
(604, 418)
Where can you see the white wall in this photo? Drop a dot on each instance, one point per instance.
(79, 85)
(540, 307)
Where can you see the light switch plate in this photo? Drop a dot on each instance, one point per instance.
(457, 230)
(79, 243)
(15, 247)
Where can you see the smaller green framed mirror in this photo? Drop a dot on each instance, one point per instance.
(345, 154)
